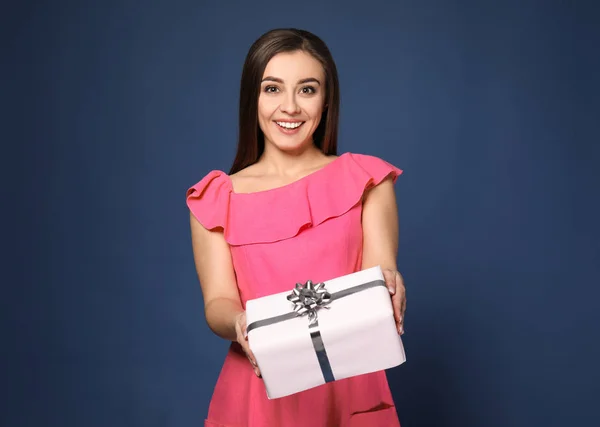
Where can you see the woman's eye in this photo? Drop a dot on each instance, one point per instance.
(271, 89)
(308, 90)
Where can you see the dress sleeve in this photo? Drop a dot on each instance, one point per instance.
(208, 200)
(374, 170)
(342, 187)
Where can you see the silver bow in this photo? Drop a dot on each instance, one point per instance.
(308, 298)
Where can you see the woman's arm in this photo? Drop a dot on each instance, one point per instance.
(380, 242)
(380, 226)
(212, 258)
(222, 306)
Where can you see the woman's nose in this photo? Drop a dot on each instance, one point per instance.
(289, 104)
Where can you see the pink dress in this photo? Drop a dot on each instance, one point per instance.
(309, 229)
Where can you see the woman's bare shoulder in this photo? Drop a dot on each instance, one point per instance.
(247, 179)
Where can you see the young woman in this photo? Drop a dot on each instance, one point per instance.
(290, 210)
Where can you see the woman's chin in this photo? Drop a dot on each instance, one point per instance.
(291, 145)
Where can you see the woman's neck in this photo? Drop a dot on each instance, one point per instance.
(290, 164)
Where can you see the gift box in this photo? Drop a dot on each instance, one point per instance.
(322, 332)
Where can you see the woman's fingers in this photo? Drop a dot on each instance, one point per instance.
(400, 297)
(390, 280)
(251, 358)
(242, 334)
(395, 284)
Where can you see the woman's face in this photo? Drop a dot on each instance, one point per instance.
(291, 99)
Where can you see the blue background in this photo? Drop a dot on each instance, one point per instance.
(112, 109)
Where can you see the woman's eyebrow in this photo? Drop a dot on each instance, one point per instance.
(309, 80)
(302, 81)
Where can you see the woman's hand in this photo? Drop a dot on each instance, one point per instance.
(395, 284)
(242, 339)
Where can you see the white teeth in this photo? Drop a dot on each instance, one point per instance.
(289, 125)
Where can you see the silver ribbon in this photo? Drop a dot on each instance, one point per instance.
(330, 298)
(308, 298)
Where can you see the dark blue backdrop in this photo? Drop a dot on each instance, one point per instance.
(116, 107)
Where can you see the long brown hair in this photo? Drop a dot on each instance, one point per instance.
(251, 143)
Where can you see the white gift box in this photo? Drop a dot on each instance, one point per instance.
(354, 333)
